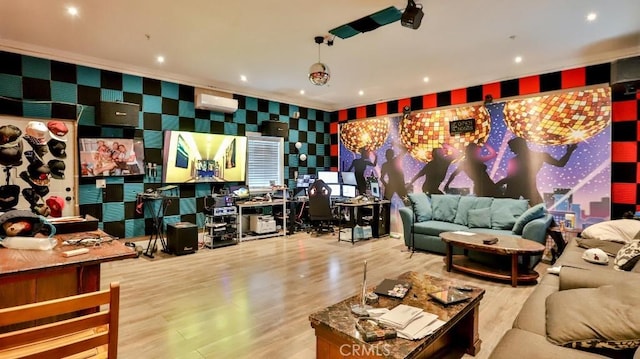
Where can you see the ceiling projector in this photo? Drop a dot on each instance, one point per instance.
(412, 15)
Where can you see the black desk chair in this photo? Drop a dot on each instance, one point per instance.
(320, 211)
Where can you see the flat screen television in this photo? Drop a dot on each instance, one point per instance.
(103, 157)
(329, 177)
(192, 157)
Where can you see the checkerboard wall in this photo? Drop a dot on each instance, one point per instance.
(625, 172)
(164, 106)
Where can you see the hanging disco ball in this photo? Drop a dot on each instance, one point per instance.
(560, 119)
(365, 134)
(423, 132)
(319, 74)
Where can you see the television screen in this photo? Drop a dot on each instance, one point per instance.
(203, 157)
(101, 157)
(349, 178)
(304, 181)
(335, 190)
(328, 177)
(348, 191)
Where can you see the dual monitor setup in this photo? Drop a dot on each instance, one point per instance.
(342, 184)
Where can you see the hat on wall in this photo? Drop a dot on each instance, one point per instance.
(57, 168)
(31, 196)
(11, 154)
(56, 205)
(41, 190)
(37, 131)
(58, 148)
(58, 130)
(9, 196)
(9, 134)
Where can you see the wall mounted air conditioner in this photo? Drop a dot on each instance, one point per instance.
(216, 103)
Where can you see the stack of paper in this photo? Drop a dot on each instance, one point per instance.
(410, 322)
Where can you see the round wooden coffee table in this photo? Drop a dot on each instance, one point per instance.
(506, 245)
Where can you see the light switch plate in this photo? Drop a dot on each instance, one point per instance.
(101, 183)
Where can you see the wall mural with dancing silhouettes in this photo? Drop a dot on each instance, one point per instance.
(554, 149)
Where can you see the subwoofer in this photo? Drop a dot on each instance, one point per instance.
(182, 238)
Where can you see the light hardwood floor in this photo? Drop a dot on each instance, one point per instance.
(253, 300)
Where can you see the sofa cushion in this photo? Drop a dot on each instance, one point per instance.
(444, 207)
(521, 344)
(464, 205)
(479, 218)
(434, 228)
(530, 214)
(603, 317)
(617, 230)
(609, 247)
(505, 211)
(421, 206)
(627, 256)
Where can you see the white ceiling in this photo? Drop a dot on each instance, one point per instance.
(209, 43)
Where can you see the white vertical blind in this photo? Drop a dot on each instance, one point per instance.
(265, 162)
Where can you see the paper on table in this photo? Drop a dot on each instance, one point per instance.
(428, 330)
(400, 316)
(464, 233)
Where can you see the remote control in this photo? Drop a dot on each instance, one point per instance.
(464, 288)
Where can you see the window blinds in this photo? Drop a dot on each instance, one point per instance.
(265, 162)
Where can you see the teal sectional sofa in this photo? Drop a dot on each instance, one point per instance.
(429, 215)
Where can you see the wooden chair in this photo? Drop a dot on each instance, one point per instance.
(90, 332)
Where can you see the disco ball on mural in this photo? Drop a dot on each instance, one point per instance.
(368, 134)
(560, 119)
(422, 132)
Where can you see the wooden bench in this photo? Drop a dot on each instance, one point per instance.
(90, 332)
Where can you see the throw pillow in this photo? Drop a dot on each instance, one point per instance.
(421, 206)
(479, 218)
(617, 230)
(604, 317)
(505, 211)
(610, 248)
(628, 256)
(464, 205)
(444, 206)
(537, 211)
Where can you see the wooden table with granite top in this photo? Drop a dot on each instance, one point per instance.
(506, 246)
(337, 337)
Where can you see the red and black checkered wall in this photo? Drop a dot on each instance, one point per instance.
(625, 172)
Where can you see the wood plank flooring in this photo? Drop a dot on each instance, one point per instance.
(253, 300)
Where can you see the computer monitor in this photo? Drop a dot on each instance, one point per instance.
(304, 181)
(349, 178)
(348, 191)
(335, 190)
(328, 177)
(375, 190)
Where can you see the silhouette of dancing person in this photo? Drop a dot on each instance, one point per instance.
(523, 169)
(359, 165)
(392, 175)
(475, 168)
(434, 171)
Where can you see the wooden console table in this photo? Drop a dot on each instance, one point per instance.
(28, 276)
(337, 337)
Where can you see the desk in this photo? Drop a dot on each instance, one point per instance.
(258, 204)
(379, 222)
(337, 337)
(28, 276)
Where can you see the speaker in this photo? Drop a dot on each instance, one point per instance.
(182, 238)
(275, 129)
(118, 114)
(412, 16)
(625, 70)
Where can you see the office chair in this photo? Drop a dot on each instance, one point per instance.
(320, 211)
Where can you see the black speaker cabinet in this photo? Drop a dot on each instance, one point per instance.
(625, 70)
(118, 114)
(275, 129)
(182, 238)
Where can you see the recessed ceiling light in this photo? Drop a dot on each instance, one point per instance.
(243, 78)
(592, 16)
(360, 92)
(425, 79)
(518, 59)
(72, 10)
(302, 92)
(160, 59)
